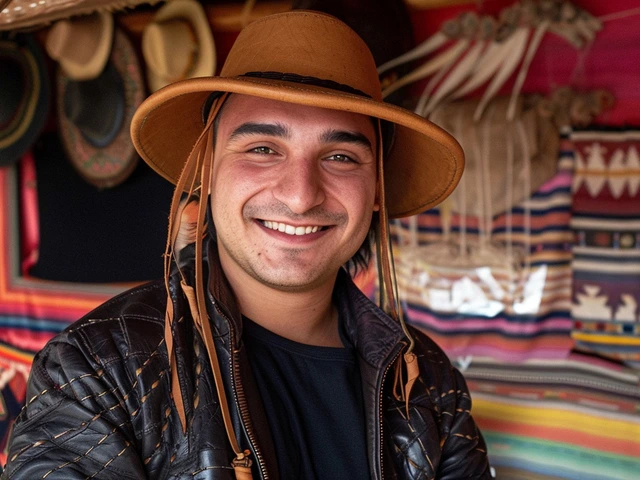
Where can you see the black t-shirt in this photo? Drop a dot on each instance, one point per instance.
(313, 400)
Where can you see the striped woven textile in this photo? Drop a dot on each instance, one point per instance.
(577, 418)
(508, 298)
(606, 263)
(31, 310)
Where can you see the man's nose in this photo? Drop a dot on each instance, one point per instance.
(300, 186)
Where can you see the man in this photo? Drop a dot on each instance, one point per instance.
(257, 357)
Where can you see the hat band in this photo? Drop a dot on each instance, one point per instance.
(318, 82)
(388, 128)
(286, 77)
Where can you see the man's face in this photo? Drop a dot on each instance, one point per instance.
(293, 192)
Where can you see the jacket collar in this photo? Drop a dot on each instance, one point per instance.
(220, 293)
(374, 334)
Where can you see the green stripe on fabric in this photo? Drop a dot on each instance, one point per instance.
(559, 460)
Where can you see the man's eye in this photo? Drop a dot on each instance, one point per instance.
(339, 157)
(262, 151)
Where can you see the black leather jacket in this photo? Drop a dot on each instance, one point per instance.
(98, 403)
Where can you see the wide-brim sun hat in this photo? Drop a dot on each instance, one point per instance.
(82, 45)
(94, 116)
(178, 44)
(306, 58)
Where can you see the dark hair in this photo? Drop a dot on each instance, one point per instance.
(362, 258)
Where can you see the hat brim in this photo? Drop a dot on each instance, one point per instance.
(20, 135)
(423, 167)
(111, 165)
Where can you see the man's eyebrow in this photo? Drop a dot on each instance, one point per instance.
(342, 136)
(252, 128)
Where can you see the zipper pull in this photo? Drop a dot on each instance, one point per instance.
(242, 465)
(413, 372)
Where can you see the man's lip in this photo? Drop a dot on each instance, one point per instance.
(292, 229)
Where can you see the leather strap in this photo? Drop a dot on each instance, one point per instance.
(389, 299)
(199, 168)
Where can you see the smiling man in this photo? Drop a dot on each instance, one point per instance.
(292, 197)
(257, 356)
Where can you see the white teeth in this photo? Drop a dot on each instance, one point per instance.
(290, 229)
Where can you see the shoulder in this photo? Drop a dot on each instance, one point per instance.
(131, 323)
(108, 346)
(436, 368)
(428, 349)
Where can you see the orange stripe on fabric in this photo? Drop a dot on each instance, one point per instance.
(557, 434)
(545, 416)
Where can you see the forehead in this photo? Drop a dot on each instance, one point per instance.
(239, 109)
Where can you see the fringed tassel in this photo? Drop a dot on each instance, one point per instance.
(175, 217)
(389, 298)
(197, 173)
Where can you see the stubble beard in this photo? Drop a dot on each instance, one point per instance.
(285, 279)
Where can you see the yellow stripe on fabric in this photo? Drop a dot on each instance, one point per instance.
(559, 418)
(6, 352)
(606, 339)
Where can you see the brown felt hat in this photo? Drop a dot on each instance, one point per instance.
(306, 58)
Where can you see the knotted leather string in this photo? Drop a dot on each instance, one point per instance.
(198, 168)
(389, 298)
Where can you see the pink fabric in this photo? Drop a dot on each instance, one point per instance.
(609, 62)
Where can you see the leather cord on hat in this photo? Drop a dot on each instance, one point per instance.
(389, 298)
(199, 167)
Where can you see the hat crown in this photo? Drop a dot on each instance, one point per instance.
(170, 48)
(308, 44)
(81, 45)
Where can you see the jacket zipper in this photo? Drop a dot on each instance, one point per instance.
(240, 399)
(380, 409)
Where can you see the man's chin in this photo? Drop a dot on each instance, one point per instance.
(295, 282)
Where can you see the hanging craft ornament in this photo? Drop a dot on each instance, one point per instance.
(474, 51)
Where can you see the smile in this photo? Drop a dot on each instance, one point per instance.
(291, 229)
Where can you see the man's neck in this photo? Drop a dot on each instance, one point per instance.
(302, 316)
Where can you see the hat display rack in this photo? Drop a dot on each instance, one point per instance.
(169, 41)
(108, 55)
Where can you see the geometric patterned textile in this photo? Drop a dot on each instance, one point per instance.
(606, 264)
(502, 295)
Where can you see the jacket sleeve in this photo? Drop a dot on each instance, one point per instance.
(464, 452)
(74, 424)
